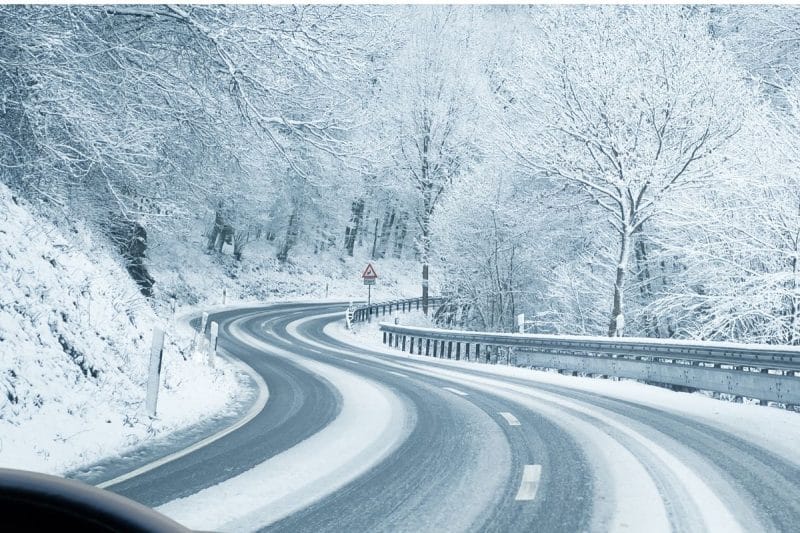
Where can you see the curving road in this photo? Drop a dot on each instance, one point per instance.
(454, 449)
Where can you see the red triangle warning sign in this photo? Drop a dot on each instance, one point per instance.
(369, 272)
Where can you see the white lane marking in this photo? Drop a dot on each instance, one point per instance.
(257, 407)
(530, 483)
(397, 373)
(511, 419)
(354, 362)
(456, 391)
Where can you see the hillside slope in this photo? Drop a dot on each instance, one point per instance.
(75, 336)
(183, 268)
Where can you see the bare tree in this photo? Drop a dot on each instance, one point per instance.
(433, 113)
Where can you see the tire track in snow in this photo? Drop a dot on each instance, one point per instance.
(372, 422)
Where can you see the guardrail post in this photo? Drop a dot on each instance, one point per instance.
(384, 337)
(404, 343)
(466, 351)
(477, 353)
(458, 351)
(427, 346)
(390, 340)
(450, 349)
(435, 343)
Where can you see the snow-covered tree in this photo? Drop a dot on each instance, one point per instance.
(432, 110)
(738, 248)
(629, 105)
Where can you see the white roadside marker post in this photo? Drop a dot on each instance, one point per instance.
(156, 353)
(212, 345)
(521, 322)
(349, 316)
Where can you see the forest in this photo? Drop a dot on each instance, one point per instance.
(605, 170)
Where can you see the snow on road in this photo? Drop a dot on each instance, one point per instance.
(646, 480)
(372, 423)
(775, 428)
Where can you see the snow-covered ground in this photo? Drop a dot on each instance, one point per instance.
(778, 429)
(75, 337)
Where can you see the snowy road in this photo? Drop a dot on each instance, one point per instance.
(360, 440)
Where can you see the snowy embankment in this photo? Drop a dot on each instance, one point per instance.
(185, 269)
(75, 337)
(777, 429)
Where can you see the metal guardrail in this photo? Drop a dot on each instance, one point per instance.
(763, 372)
(366, 312)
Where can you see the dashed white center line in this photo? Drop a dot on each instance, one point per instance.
(456, 391)
(511, 419)
(397, 373)
(530, 483)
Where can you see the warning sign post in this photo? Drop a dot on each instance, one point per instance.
(369, 276)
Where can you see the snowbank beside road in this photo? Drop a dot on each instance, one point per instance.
(75, 337)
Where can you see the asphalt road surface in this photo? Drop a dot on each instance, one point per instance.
(483, 452)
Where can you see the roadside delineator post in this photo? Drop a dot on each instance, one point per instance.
(212, 345)
(154, 377)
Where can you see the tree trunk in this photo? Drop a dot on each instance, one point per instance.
(400, 235)
(425, 288)
(240, 239)
(291, 236)
(425, 256)
(215, 231)
(794, 308)
(645, 287)
(375, 240)
(351, 231)
(386, 232)
(617, 324)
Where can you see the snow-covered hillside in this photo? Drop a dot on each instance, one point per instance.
(182, 267)
(75, 336)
